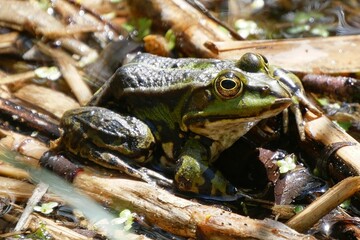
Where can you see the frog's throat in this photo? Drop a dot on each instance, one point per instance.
(223, 132)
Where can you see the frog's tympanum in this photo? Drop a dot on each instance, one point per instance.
(192, 109)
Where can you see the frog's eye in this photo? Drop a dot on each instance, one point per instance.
(252, 62)
(228, 85)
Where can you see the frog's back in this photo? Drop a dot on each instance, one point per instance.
(148, 75)
(147, 71)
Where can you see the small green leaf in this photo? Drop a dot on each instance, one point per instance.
(46, 208)
(126, 213)
(140, 27)
(344, 125)
(298, 29)
(298, 208)
(323, 101)
(245, 28)
(346, 204)
(128, 27)
(126, 218)
(287, 164)
(170, 39)
(320, 30)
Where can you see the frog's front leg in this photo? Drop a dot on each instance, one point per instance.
(193, 173)
(107, 138)
(294, 86)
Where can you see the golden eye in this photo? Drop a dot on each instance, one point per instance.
(228, 85)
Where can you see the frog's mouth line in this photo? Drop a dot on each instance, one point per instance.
(281, 101)
(278, 106)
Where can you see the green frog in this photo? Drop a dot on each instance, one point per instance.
(192, 109)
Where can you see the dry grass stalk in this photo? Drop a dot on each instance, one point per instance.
(50, 100)
(13, 78)
(38, 193)
(21, 191)
(7, 43)
(13, 172)
(73, 78)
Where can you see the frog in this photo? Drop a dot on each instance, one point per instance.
(191, 109)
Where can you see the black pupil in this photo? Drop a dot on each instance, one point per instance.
(228, 84)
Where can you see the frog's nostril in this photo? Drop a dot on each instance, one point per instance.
(264, 91)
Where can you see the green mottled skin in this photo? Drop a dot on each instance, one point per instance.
(193, 108)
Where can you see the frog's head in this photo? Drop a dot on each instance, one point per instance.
(236, 99)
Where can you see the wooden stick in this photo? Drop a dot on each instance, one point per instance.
(177, 215)
(328, 133)
(324, 204)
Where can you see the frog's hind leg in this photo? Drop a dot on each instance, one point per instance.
(107, 138)
(193, 173)
(112, 161)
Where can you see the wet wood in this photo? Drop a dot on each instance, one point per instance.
(30, 17)
(28, 117)
(176, 215)
(338, 87)
(324, 204)
(191, 27)
(324, 131)
(310, 55)
(13, 172)
(26, 15)
(81, 15)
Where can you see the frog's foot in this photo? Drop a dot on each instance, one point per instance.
(295, 109)
(107, 131)
(110, 160)
(107, 138)
(197, 177)
(294, 86)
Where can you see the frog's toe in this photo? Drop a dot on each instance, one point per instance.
(198, 177)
